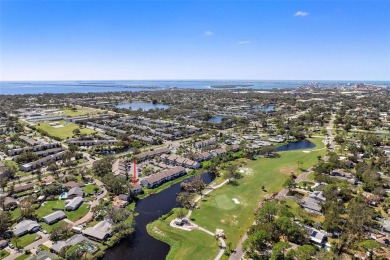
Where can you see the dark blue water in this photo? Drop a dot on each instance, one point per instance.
(303, 144)
(38, 87)
(142, 245)
(141, 105)
(216, 119)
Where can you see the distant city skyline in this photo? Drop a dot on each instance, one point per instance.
(194, 40)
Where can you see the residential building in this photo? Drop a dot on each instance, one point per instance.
(54, 217)
(74, 203)
(26, 226)
(100, 232)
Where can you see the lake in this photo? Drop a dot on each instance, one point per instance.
(216, 119)
(302, 144)
(141, 105)
(142, 245)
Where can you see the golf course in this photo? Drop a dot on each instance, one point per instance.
(231, 207)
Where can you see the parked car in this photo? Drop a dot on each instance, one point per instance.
(11, 246)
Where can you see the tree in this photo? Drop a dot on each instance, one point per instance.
(62, 232)
(198, 184)
(5, 221)
(184, 199)
(370, 246)
(299, 163)
(76, 131)
(279, 250)
(289, 183)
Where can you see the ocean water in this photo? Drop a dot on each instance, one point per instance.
(39, 87)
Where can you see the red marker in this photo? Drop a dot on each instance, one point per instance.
(135, 172)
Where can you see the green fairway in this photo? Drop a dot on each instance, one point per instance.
(66, 131)
(184, 244)
(224, 202)
(219, 211)
(24, 240)
(81, 111)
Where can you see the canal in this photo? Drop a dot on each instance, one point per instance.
(142, 245)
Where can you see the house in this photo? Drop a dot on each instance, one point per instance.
(166, 175)
(218, 152)
(41, 162)
(74, 203)
(205, 143)
(121, 201)
(100, 232)
(311, 205)
(57, 246)
(10, 203)
(43, 255)
(318, 237)
(25, 187)
(202, 156)
(72, 184)
(54, 217)
(75, 192)
(135, 188)
(119, 168)
(3, 244)
(26, 226)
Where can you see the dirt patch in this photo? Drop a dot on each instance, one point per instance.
(158, 231)
(288, 170)
(246, 171)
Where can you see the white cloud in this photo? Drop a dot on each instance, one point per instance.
(301, 13)
(244, 42)
(208, 33)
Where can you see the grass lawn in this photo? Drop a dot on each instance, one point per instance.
(60, 204)
(15, 213)
(47, 208)
(81, 111)
(24, 240)
(89, 188)
(218, 210)
(184, 244)
(77, 214)
(63, 132)
(4, 254)
(22, 257)
(49, 228)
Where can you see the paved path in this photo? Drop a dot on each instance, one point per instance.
(32, 247)
(329, 131)
(195, 226)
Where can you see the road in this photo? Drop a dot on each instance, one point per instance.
(92, 204)
(32, 247)
(329, 128)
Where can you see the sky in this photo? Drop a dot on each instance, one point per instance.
(179, 39)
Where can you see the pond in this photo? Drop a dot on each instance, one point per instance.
(141, 105)
(266, 109)
(142, 245)
(216, 119)
(302, 144)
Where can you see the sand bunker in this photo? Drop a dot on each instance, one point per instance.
(236, 201)
(57, 126)
(306, 151)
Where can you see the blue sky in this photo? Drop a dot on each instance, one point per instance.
(83, 40)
